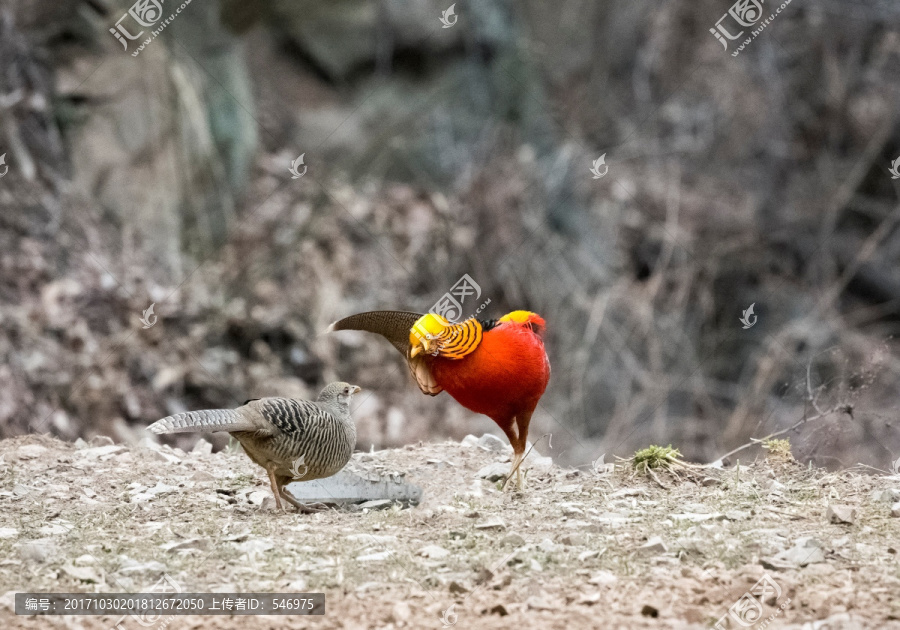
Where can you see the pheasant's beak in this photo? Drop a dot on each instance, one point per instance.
(356, 389)
(424, 345)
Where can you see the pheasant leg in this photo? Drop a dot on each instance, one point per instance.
(305, 508)
(275, 488)
(517, 470)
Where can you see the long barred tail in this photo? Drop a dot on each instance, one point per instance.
(208, 420)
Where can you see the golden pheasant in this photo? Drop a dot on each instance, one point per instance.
(292, 439)
(498, 367)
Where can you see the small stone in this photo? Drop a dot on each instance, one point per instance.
(573, 540)
(534, 565)
(102, 453)
(569, 509)
(30, 451)
(456, 587)
(537, 602)
(372, 539)
(256, 497)
(159, 456)
(377, 504)
(191, 543)
(38, 550)
(890, 495)
(491, 443)
(380, 556)
(499, 609)
(589, 599)
(401, 612)
(434, 552)
(101, 440)
(895, 510)
(202, 476)
(239, 537)
(588, 555)
(469, 441)
(9, 532)
(21, 490)
(492, 523)
(202, 447)
(650, 611)
(806, 551)
(841, 514)
(603, 578)
(628, 492)
(548, 546)
(494, 472)
(53, 529)
(502, 582)
(512, 540)
(737, 515)
(654, 545)
(255, 546)
(698, 518)
(82, 574)
(85, 560)
(711, 481)
(132, 566)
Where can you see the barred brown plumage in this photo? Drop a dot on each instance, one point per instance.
(292, 439)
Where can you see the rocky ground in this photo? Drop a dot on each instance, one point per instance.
(607, 547)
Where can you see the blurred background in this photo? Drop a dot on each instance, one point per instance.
(148, 149)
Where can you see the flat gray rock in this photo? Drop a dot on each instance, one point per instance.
(493, 472)
(346, 488)
(841, 514)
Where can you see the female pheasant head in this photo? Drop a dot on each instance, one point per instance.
(338, 394)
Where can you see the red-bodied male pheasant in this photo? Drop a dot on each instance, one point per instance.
(496, 367)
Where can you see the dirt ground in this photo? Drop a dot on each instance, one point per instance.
(599, 548)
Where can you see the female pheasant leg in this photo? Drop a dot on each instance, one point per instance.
(275, 489)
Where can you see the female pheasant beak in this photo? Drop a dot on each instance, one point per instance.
(423, 333)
